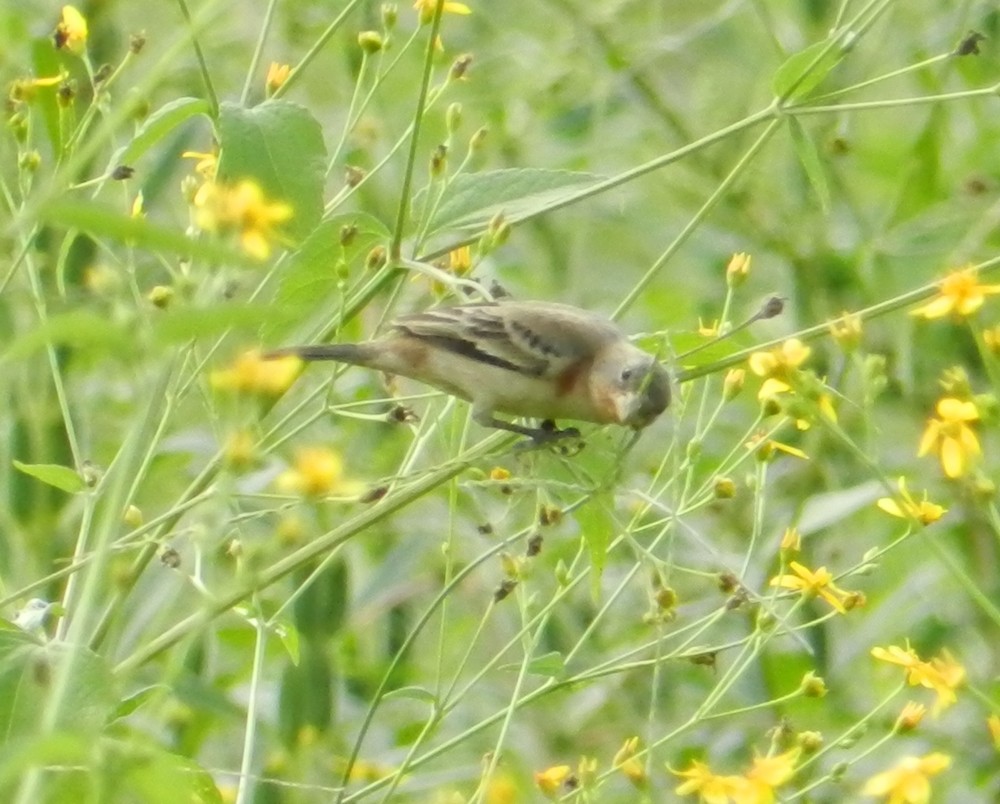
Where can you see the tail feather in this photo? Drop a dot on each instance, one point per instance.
(358, 354)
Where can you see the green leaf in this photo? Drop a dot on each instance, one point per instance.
(280, 146)
(823, 510)
(412, 693)
(597, 525)
(808, 155)
(157, 126)
(184, 323)
(33, 751)
(62, 477)
(137, 232)
(133, 702)
(79, 329)
(289, 636)
(306, 694)
(787, 83)
(137, 771)
(321, 607)
(550, 665)
(472, 199)
(310, 277)
(27, 672)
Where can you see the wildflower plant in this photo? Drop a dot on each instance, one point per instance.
(227, 577)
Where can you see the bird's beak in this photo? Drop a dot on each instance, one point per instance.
(627, 407)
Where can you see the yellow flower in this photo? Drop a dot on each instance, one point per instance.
(712, 789)
(23, 89)
(942, 673)
(951, 436)
(758, 784)
(277, 74)
(626, 761)
(910, 717)
(960, 294)
(251, 374)
(791, 540)
(241, 208)
(925, 512)
(501, 789)
(777, 366)
(993, 724)
(316, 472)
(846, 330)
(550, 780)
(460, 261)
(71, 32)
(206, 165)
(766, 448)
(426, 8)
(818, 582)
(240, 450)
(909, 781)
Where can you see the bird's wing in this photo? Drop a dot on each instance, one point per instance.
(539, 339)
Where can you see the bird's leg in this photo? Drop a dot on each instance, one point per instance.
(545, 434)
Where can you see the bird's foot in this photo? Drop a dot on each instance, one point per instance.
(566, 442)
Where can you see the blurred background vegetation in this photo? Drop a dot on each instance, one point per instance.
(335, 590)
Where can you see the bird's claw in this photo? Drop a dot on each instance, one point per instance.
(566, 442)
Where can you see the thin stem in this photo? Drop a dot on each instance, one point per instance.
(206, 76)
(396, 245)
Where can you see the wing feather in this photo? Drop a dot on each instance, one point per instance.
(538, 339)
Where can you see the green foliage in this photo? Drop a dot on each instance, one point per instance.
(223, 578)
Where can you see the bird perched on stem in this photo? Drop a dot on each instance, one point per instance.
(524, 358)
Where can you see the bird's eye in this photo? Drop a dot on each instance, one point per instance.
(627, 374)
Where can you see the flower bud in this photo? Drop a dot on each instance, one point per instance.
(453, 117)
(477, 140)
(161, 296)
(733, 384)
(738, 269)
(724, 488)
(370, 41)
(460, 67)
(390, 14)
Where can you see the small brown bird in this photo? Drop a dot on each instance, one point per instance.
(531, 359)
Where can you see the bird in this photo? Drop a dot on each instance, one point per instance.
(527, 359)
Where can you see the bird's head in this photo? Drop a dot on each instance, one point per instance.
(640, 388)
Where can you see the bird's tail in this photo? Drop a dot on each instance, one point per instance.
(357, 354)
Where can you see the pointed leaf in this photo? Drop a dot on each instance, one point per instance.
(62, 477)
(808, 155)
(289, 636)
(472, 199)
(136, 700)
(802, 72)
(157, 126)
(412, 693)
(598, 528)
